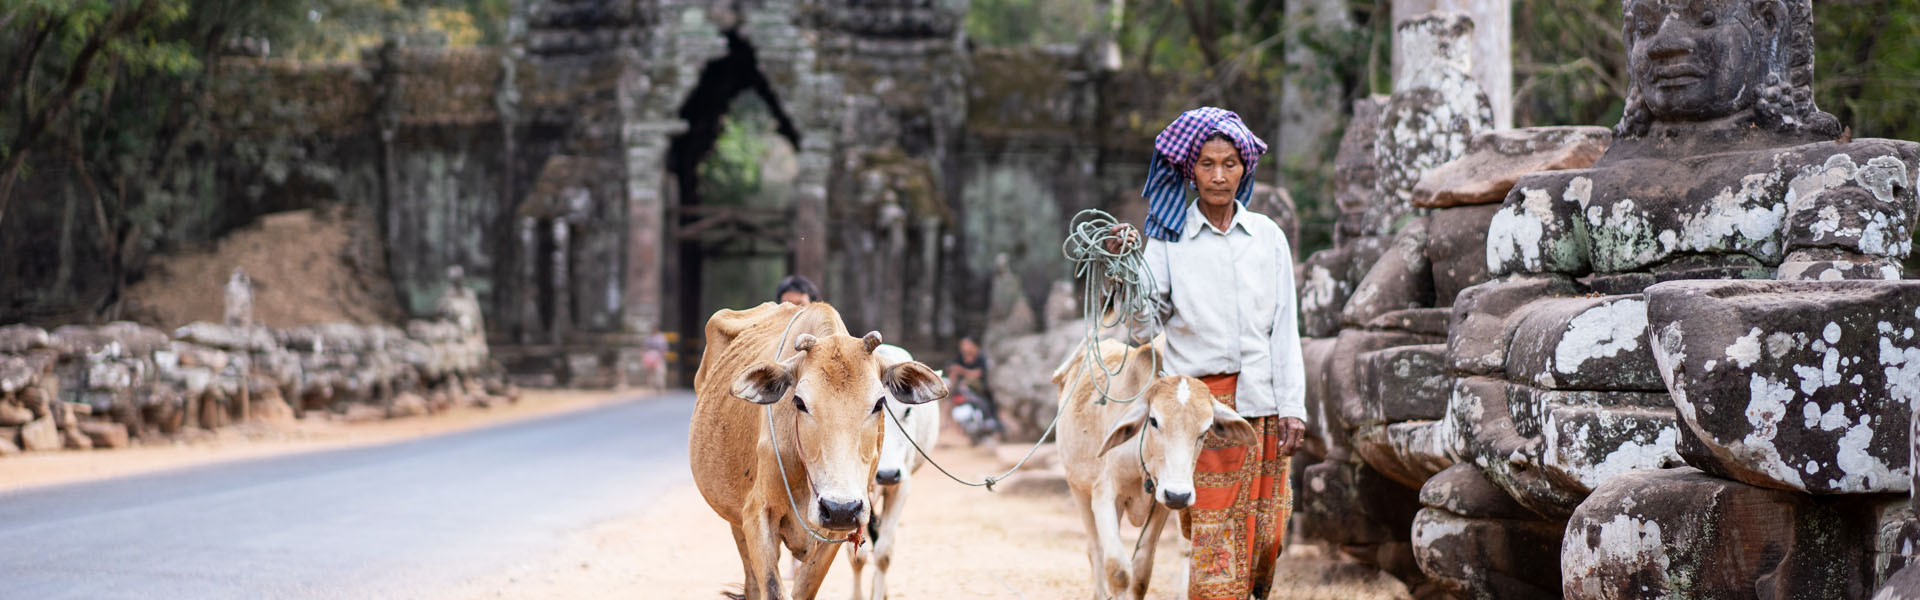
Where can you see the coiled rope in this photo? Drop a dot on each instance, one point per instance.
(1111, 279)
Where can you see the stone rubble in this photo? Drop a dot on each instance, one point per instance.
(118, 384)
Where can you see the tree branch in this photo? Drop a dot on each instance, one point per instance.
(75, 80)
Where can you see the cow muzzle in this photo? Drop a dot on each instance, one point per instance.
(887, 476)
(841, 515)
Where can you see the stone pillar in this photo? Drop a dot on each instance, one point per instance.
(562, 283)
(526, 291)
(928, 278)
(810, 207)
(642, 286)
(1492, 46)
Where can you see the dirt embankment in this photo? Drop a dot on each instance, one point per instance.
(307, 266)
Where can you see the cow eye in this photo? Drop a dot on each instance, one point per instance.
(800, 404)
(907, 413)
(1153, 422)
(878, 404)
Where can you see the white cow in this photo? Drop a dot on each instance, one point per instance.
(1133, 458)
(892, 477)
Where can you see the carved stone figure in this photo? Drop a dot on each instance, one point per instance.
(1578, 364)
(239, 301)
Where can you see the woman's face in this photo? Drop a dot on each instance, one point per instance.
(1217, 172)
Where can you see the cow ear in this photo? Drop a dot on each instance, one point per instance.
(1128, 426)
(1228, 424)
(913, 383)
(871, 341)
(763, 383)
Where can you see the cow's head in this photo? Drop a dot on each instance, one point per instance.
(830, 394)
(896, 453)
(1174, 415)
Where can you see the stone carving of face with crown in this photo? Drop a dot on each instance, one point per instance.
(1705, 60)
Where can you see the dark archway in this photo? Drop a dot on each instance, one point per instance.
(702, 230)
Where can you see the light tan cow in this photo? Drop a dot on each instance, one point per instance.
(1113, 449)
(825, 390)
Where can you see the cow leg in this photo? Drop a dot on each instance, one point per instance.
(746, 561)
(1085, 504)
(1106, 521)
(1143, 558)
(857, 562)
(762, 550)
(892, 501)
(813, 569)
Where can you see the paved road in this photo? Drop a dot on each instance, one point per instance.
(394, 521)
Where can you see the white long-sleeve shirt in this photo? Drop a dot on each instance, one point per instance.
(1228, 306)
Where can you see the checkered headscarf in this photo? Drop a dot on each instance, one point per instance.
(1170, 171)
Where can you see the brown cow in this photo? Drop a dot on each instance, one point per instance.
(825, 389)
(1109, 463)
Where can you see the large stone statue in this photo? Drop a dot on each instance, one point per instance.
(1624, 333)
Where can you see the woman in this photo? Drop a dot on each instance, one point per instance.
(1224, 282)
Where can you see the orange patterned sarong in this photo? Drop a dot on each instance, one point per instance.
(1238, 520)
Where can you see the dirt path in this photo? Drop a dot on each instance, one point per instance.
(1023, 541)
(256, 440)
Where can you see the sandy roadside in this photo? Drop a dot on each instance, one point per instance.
(1023, 541)
(257, 440)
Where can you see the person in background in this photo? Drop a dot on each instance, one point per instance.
(796, 290)
(967, 379)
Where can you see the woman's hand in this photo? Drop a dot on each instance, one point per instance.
(1292, 432)
(1124, 238)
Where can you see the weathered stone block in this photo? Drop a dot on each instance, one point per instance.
(113, 340)
(1859, 197)
(13, 414)
(1323, 434)
(1457, 249)
(41, 434)
(21, 338)
(1680, 533)
(1588, 445)
(1463, 490)
(1488, 558)
(105, 435)
(1584, 344)
(1795, 385)
(1407, 452)
(1402, 279)
(1423, 321)
(1327, 280)
(1343, 369)
(1495, 160)
(1481, 328)
(1486, 435)
(1404, 383)
(1534, 230)
(1349, 504)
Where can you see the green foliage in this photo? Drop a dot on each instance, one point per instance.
(1569, 64)
(731, 174)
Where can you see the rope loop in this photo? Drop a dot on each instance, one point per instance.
(1119, 281)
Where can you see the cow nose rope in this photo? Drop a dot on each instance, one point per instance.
(774, 434)
(1117, 279)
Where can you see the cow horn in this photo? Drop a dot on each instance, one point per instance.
(871, 341)
(804, 342)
